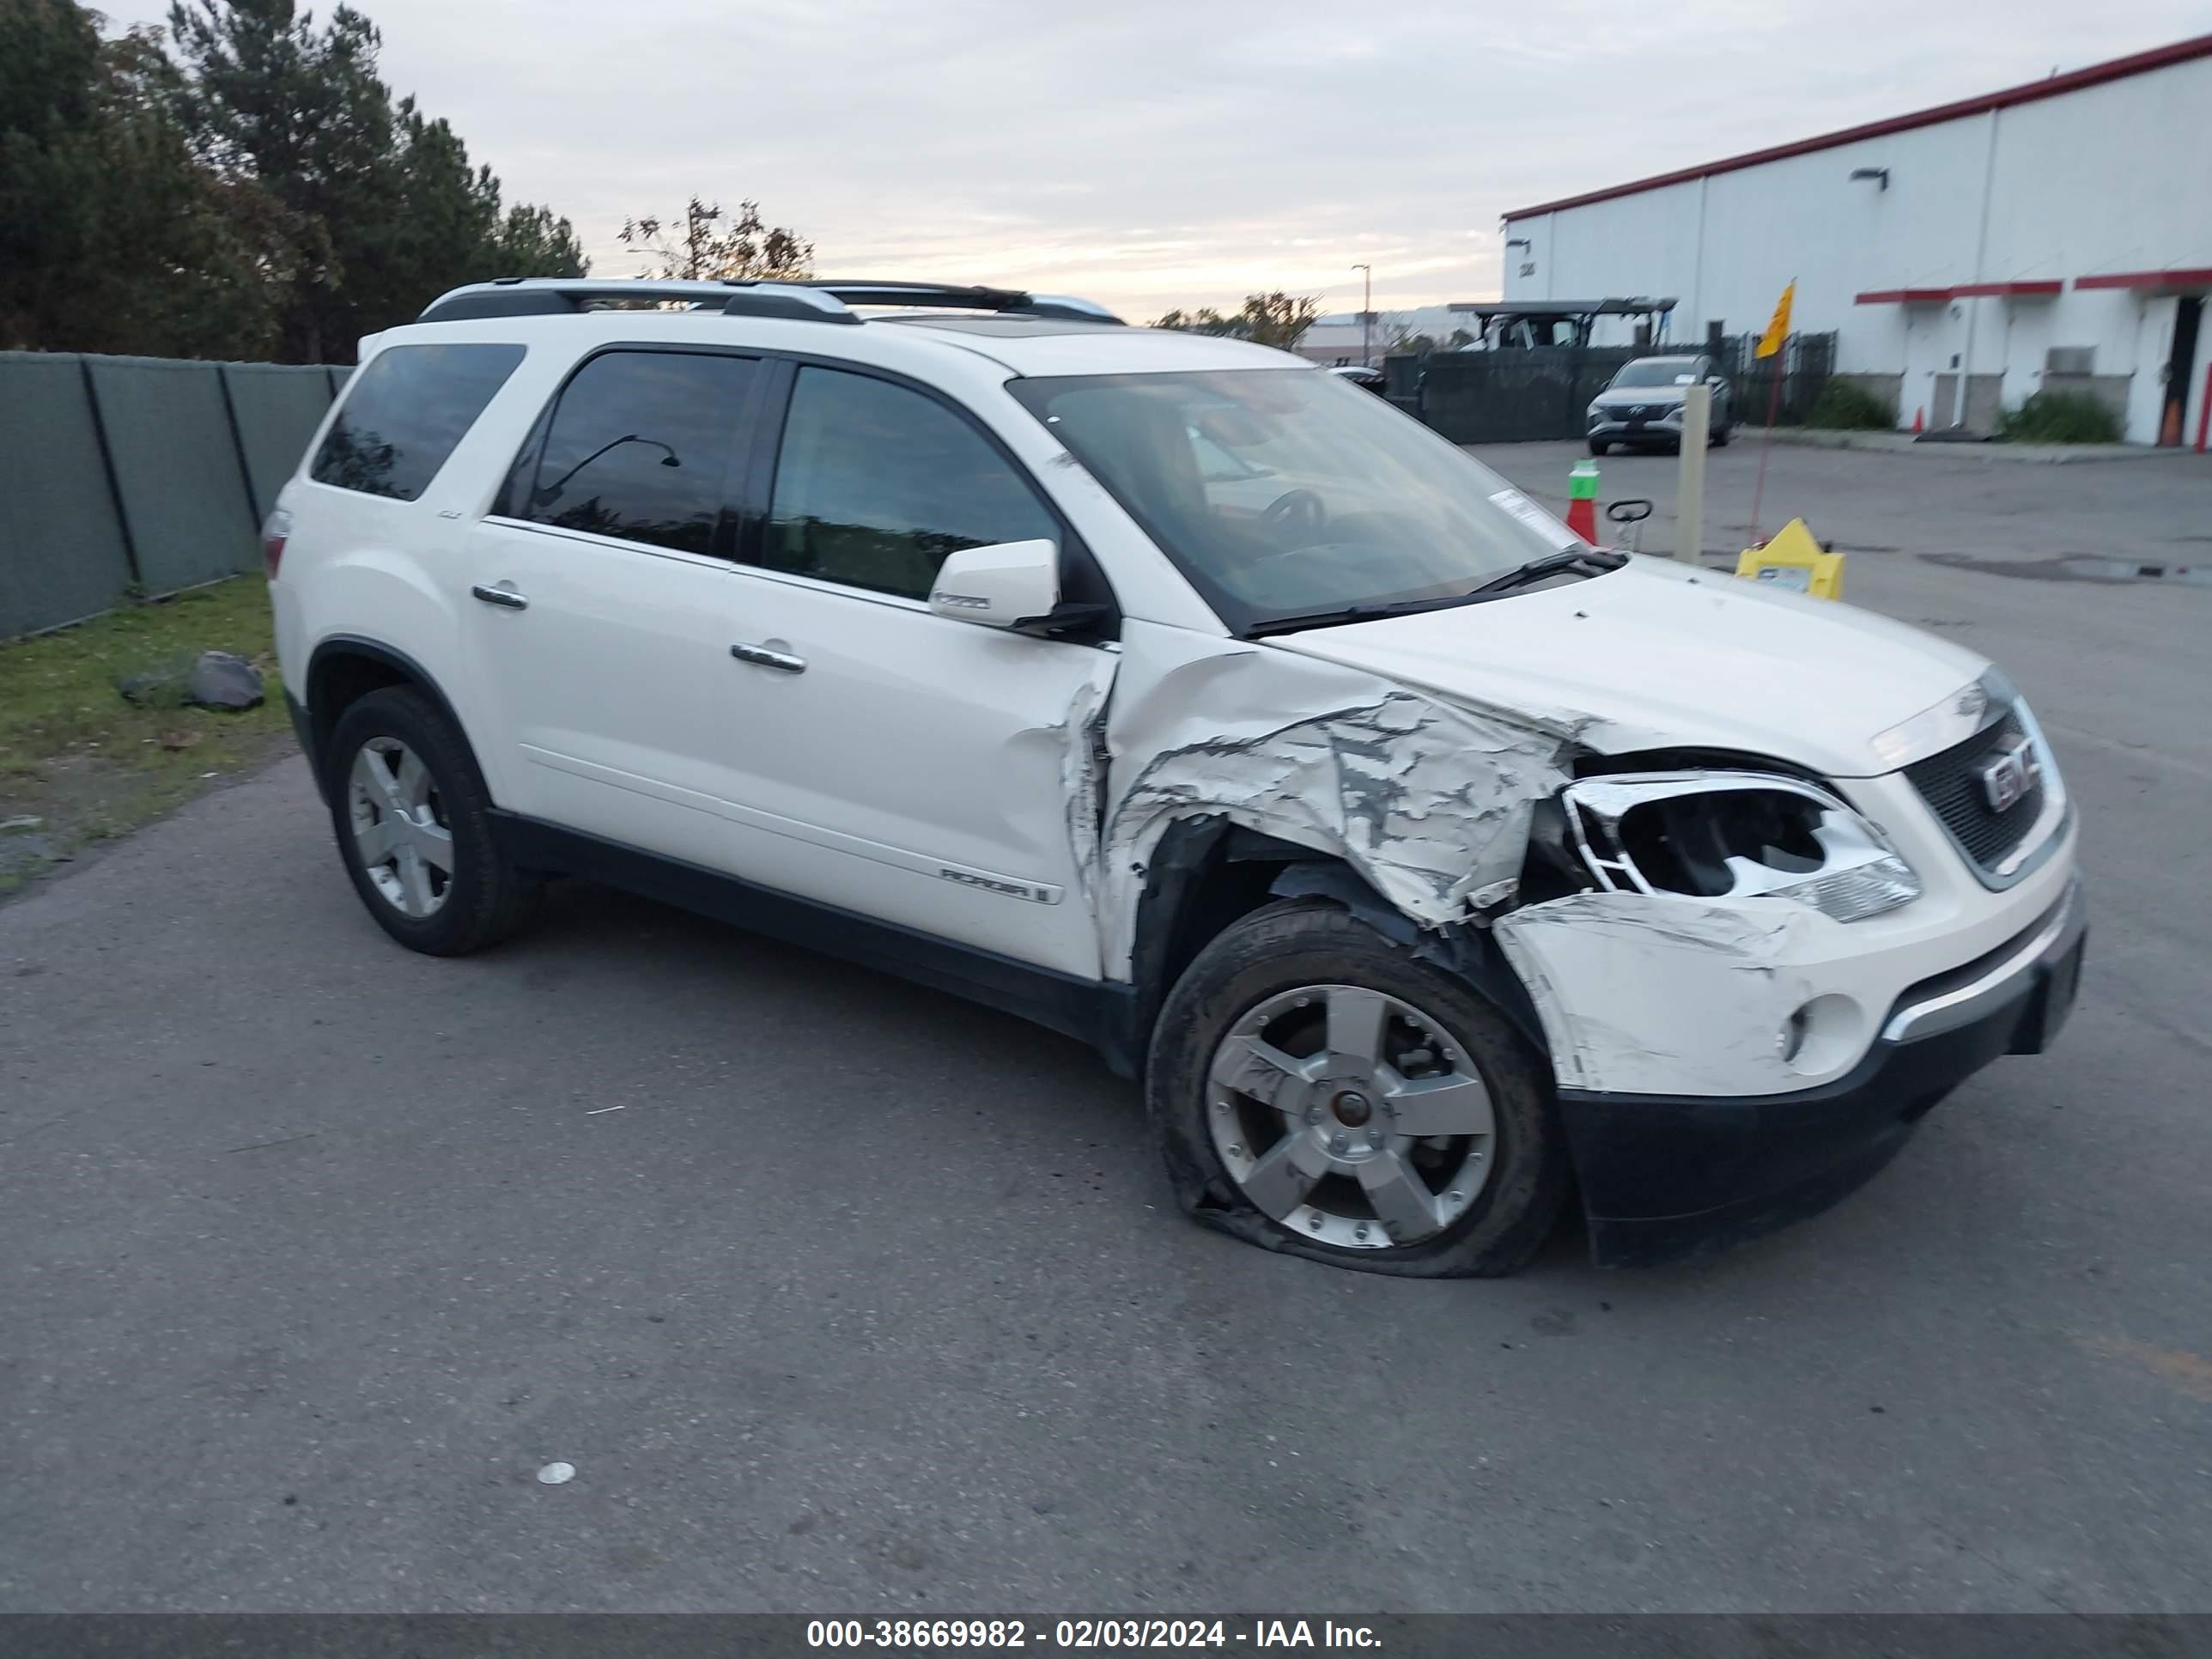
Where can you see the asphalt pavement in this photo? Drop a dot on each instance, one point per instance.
(844, 1297)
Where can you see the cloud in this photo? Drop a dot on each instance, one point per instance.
(1152, 154)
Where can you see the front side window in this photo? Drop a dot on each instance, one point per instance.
(405, 412)
(1282, 494)
(639, 448)
(876, 484)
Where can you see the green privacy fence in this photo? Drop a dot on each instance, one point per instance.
(139, 475)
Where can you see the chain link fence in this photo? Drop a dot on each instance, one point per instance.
(1515, 396)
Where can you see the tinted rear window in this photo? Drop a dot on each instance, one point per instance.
(405, 413)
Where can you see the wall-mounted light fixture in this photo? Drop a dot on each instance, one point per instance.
(1880, 175)
(1516, 242)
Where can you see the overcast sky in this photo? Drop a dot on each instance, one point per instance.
(1152, 153)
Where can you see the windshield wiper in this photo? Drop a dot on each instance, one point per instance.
(1576, 561)
(1585, 560)
(1351, 613)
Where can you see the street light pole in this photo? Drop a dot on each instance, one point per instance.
(1366, 315)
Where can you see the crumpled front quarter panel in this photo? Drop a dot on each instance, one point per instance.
(1429, 802)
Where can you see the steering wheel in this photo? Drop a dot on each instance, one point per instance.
(1300, 507)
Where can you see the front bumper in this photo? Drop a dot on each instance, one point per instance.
(1668, 1176)
(1657, 430)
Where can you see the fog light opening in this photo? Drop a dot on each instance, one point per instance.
(1791, 1037)
(1824, 1036)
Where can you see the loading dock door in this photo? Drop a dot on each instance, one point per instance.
(2180, 369)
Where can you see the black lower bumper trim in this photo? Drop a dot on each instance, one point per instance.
(1664, 1178)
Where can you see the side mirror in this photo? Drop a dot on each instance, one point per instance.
(1000, 585)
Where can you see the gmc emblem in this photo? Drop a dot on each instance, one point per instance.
(2008, 774)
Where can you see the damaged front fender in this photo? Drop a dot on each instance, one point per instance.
(1429, 803)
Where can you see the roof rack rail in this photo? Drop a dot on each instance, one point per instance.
(545, 296)
(806, 300)
(1008, 301)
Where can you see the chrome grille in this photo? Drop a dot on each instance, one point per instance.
(1951, 784)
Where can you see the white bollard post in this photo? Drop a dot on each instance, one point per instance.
(1690, 483)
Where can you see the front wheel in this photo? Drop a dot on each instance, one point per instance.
(1600, 447)
(1315, 1090)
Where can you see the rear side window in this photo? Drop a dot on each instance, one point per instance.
(405, 412)
(877, 483)
(639, 448)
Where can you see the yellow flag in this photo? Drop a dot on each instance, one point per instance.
(1777, 330)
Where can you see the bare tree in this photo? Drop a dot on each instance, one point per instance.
(709, 245)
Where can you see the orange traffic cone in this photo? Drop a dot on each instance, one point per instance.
(1919, 421)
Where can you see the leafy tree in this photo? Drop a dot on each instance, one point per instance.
(271, 104)
(532, 242)
(447, 228)
(1278, 319)
(111, 238)
(1270, 319)
(1205, 320)
(370, 208)
(711, 246)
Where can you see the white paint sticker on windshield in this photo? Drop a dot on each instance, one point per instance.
(1513, 502)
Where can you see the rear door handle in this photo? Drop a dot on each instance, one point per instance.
(504, 596)
(766, 659)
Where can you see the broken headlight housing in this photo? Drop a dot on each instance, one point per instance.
(1734, 834)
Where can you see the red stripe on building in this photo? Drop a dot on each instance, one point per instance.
(2192, 276)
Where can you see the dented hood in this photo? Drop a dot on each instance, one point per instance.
(1658, 655)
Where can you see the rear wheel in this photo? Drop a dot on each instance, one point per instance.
(1722, 437)
(414, 826)
(1315, 1090)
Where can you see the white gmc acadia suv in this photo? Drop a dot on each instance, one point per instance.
(1427, 864)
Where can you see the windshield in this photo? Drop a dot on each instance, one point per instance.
(1285, 492)
(1658, 371)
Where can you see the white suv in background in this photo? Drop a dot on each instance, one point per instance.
(1427, 864)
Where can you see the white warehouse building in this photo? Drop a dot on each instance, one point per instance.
(2054, 235)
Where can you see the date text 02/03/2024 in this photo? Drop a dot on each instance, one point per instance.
(1008, 1635)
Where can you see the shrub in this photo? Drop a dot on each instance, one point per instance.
(2061, 417)
(1849, 406)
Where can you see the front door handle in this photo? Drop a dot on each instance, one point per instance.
(504, 596)
(763, 657)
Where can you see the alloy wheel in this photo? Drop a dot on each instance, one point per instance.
(400, 831)
(1350, 1117)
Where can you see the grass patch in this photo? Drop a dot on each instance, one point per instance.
(85, 764)
(1847, 406)
(2061, 417)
